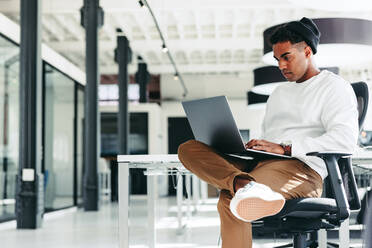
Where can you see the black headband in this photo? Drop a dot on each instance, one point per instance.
(308, 30)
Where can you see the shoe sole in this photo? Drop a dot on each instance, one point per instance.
(251, 209)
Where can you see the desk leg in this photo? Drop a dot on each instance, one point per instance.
(123, 205)
(195, 191)
(151, 208)
(204, 191)
(188, 190)
(344, 234)
(322, 238)
(179, 201)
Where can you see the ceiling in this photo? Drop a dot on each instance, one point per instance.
(209, 36)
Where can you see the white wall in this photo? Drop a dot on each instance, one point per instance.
(234, 86)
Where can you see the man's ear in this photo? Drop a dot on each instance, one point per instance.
(308, 51)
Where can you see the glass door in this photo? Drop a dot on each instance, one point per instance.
(58, 138)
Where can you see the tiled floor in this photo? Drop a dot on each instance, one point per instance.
(100, 229)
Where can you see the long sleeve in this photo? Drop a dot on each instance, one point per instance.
(339, 117)
(319, 114)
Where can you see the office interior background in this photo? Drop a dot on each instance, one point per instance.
(215, 48)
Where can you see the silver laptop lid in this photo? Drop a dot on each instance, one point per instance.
(212, 123)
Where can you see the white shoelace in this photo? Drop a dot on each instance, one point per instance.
(246, 187)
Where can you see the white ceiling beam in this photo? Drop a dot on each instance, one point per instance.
(253, 24)
(138, 17)
(106, 35)
(178, 22)
(197, 24)
(50, 25)
(140, 46)
(69, 24)
(112, 23)
(187, 58)
(106, 59)
(234, 24)
(68, 6)
(180, 30)
(14, 17)
(189, 68)
(216, 26)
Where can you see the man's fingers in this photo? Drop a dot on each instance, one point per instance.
(256, 142)
(251, 143)
(264, 145)
(260, 148)
(263, 142)
(260, 143)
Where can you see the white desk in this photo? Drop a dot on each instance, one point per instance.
(154, 165)
(160, 164)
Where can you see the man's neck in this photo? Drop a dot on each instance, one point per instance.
(311, 72)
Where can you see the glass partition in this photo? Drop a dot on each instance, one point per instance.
(9, 126)
(63, 161)
(58, 139)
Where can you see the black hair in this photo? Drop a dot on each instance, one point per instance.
(283, 34)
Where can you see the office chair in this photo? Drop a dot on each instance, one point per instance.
(307, 215)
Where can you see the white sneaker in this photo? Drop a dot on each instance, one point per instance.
(255, 201)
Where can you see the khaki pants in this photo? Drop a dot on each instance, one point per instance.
(291, 178)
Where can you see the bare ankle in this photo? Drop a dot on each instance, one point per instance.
(240, 182)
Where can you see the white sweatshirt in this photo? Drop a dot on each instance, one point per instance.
(319, 114)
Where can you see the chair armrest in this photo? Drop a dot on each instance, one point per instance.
(331, 160)
(328, 153)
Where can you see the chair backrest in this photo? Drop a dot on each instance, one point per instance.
(362, 95)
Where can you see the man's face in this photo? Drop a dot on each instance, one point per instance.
(292, 60)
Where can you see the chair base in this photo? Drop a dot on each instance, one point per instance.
(300, 241)
(309, 243)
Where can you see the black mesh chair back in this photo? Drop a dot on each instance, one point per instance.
(362, 95)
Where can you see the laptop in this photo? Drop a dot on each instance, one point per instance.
(212, 123)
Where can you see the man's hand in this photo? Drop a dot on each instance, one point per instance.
(263, 145)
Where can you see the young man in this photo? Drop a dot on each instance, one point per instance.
(315, 111)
